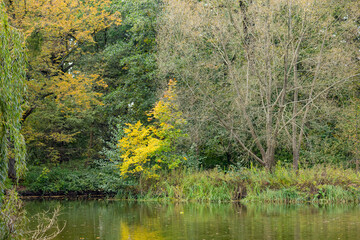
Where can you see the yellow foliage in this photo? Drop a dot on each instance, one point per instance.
(146, 148)
(63, 27)
(55, 31)
(166, 111)
(64, 17)
(138, 145)
(41, 138)
(76, 88)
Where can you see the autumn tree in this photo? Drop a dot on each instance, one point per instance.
(257, 68)
(60, 95)
(147, 149)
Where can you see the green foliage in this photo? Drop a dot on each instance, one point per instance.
(333, 194)
(316, 184)
(348, 127)
(52, 137)
(319, 184)
(12, 76)
(64, 180)
(129, 62)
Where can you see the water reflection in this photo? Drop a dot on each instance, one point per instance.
(138, 221)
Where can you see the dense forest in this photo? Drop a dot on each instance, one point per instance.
(151, 98)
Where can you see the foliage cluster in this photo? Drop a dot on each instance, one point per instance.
(62, 96)
(147, 149)
(64, 180)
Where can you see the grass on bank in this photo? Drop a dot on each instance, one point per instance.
(320, 184)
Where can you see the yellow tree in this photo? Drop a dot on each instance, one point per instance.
(146, 149)
(57, 33)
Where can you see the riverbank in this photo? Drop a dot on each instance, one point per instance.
(320, 184)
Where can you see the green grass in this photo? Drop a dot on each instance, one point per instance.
(186, 185)
(321, 184)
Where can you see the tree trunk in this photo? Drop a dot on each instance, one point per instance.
(90, 150)
(270, 158)
(296, 156)
(12, 169)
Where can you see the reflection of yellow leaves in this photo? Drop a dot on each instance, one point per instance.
(138, 233)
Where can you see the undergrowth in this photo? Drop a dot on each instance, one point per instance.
(60, 180)
(320, 184)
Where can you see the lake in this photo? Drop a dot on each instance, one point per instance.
(112, 220)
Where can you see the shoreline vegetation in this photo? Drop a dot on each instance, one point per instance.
(319, 184)
(170, 100)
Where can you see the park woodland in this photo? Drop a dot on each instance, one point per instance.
(178, 102)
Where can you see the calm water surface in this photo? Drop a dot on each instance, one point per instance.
(123, 220)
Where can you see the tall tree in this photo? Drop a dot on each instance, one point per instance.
(60, 95)
(12, 88)
(257, 67)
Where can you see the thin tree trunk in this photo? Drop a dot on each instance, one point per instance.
(90, 151)
(356, 139)
(295, 146)
(12, 169)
